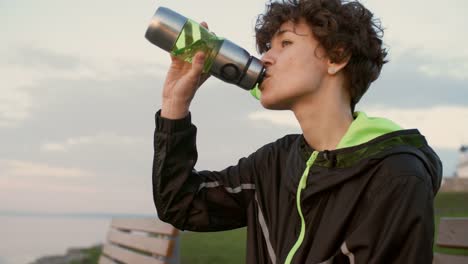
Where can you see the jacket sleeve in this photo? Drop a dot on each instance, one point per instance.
(197, 200)
(398, 223)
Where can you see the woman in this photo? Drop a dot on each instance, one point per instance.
(349, 189)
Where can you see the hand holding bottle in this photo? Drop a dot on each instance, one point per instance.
(181, 84)
(185, 39)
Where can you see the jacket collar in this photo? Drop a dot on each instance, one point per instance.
(364, 129)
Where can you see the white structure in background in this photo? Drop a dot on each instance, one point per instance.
(459, 183)
(462, 167)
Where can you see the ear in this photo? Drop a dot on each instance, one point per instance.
(334, 67)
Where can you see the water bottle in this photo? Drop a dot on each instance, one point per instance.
(183, 37)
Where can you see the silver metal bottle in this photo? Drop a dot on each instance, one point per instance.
(225, 60)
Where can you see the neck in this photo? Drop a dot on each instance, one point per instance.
(324, 119)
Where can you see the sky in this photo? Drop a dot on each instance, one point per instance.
(80, 85)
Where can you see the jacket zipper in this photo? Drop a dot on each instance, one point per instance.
(302, 185)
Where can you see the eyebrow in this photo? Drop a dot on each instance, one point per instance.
(283, 31)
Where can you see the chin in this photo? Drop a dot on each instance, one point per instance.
(271, 104)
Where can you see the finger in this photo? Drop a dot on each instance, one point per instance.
(204, 24)
(174, 59)
(197, 65)
(177, 62)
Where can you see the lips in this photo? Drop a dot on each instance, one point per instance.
(262, 85)
(265, 77)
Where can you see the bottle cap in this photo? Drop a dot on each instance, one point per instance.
(253, 75)
(234, 65)
(165, 28)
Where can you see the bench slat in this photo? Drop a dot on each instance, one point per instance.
(128, 256)
(104, 260)
(158, 246)
(452, 259)
(151, 225)
(453, 233)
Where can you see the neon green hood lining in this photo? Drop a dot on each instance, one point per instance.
(364, 129)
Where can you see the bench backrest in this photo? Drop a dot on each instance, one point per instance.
(140, 240)
(453, 233)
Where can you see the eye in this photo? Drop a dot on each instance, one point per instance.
(285, 43)
(268, 46)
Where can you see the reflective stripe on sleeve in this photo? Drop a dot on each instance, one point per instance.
(238, 189)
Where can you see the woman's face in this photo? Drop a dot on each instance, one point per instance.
(296, 67)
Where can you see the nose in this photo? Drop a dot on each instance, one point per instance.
(268, 59)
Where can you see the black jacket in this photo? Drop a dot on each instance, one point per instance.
(368, 202)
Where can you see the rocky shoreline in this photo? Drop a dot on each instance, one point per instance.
(73, 255)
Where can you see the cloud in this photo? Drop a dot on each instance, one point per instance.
(38, 63)
(101, 126)
(283, 118)
(413, 81)
(18, 168)
(430, 29)
(37, 186)
(427, 25)
(15, 107)
(36, 57)
(448, 67)
(30, 185)
(443, 126)
(452, 68)
(27, 186)
(27, 70)
(100, 139)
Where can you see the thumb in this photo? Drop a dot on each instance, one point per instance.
(197, 65)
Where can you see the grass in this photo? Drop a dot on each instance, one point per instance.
(229, 247)
(216, 247)
(92, 255)
(450, 205)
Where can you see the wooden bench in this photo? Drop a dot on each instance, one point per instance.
(453, 233)
(140, 241)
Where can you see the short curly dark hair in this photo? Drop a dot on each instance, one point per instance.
(345, 29)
